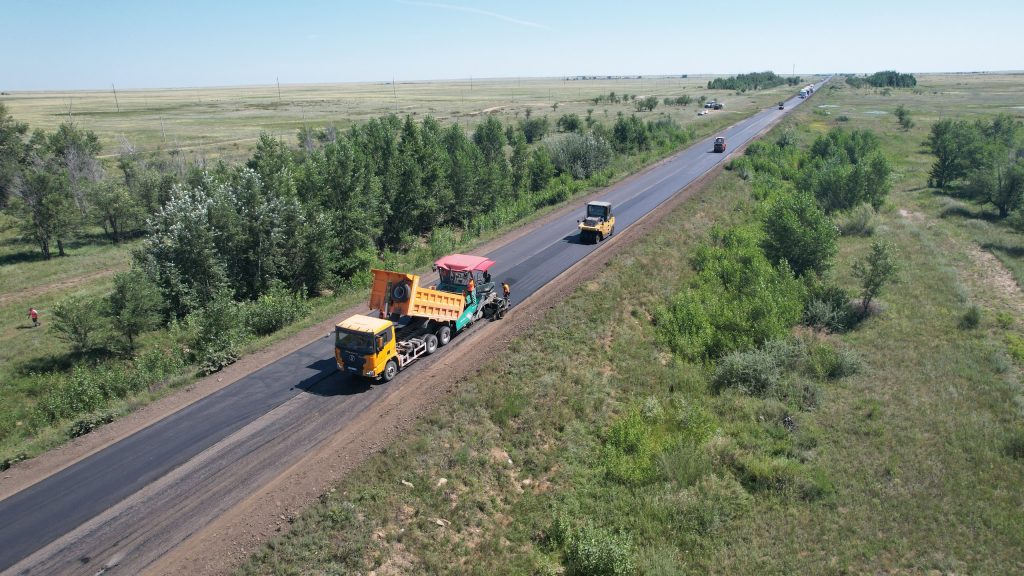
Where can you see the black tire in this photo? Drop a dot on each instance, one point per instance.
(600, 237)
(444, 335)
(390, 371)
(401, 292)
(431, 341)
(500, 314)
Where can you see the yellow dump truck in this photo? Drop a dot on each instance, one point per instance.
(413, 320)
(598, 224)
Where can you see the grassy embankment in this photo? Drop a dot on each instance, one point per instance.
(911, 465)
(89, 267)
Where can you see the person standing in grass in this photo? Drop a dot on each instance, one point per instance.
(34, 316)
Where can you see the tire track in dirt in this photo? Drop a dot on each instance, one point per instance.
(66, 284)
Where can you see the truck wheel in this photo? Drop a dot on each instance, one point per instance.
(431, 341)
(444, 335)
(390, 371)
(600, 237)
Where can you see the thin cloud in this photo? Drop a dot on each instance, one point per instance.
(472, 10)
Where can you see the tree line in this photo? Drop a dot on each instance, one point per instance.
(983, 160)
(883, 79)
(753, 81)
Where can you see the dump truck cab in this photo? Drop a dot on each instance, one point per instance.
(599, 222)
(365, 346)
(720, 144)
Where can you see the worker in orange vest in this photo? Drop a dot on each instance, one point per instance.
(34, 316)
(506, 290)
(471, 290)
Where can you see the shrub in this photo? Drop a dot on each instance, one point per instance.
(827, 307)
(757, 372)
(80, 322)
(797, 231)
(861, 221)
(824, 361)
(971, 318)
(274, 310)
(737, 301)
(717, 501)
(1015, 347)
(591, 551)
(768, 473)
(78, 393)
(878, 269)
(580, 154)
(88, 424)
(629, 451)
(214, 334)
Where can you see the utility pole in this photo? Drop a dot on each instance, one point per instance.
(395, 90)
(115, 97)
(278, 78)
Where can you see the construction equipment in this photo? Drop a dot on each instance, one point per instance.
(782, 105)
(598, 224)
(413, 320)
(720, 144)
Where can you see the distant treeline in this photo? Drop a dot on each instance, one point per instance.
(884, 79)
(752, 81)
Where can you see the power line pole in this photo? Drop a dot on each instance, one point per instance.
(394, 89)
(115, 97)
(278, 88)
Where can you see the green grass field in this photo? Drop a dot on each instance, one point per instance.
(912, 465)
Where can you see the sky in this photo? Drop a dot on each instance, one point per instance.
(65, 44)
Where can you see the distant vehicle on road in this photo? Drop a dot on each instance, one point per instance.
(598, 224)
(782, 105)
(720, 144)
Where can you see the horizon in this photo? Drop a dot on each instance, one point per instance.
(574, 78)
(61, 45)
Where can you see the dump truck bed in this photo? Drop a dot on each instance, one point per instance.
(399, 293)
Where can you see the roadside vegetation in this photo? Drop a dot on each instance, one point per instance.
(753, 81)
(884, 79)
(824, 376)
(197, 263)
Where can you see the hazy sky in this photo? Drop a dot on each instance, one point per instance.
(64, 44)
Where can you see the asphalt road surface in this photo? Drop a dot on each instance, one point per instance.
(96, 515)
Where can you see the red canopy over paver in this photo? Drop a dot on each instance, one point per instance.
(460, 262)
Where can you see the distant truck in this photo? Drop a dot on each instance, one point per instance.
(782, 105)
(717, 106)
(413, 321)
(720, 144)
(598, 224)
(803, 93)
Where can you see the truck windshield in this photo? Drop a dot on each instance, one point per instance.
(359, 342)
(595, 211)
